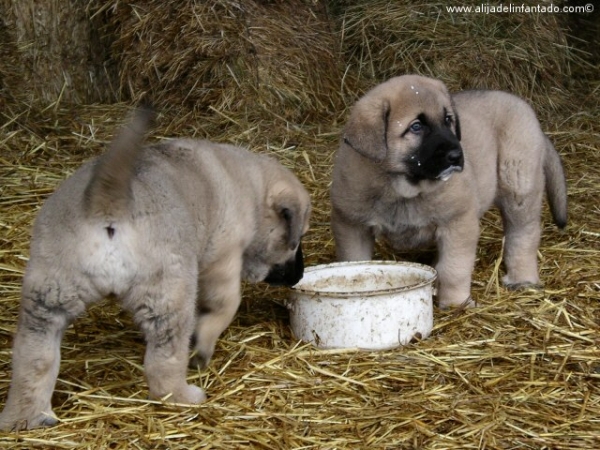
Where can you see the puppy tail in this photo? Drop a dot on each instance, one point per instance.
(108, 193)
(556, 186)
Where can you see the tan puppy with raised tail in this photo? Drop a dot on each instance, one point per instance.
(169, 229)
(419, 167)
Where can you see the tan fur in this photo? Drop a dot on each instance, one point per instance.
(170, 230)
(508, 162)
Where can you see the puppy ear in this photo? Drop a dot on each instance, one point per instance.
(366, 130)
(294, 225)
(290, 211)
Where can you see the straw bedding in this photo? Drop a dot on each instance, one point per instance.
(520, 371)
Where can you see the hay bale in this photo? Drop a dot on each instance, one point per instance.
(526, 54)
(55, 50)
(9, 66)
(243, 59)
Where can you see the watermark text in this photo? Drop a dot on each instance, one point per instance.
(512, 8)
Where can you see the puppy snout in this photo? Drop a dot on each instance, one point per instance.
(288, 273)
(454, 157)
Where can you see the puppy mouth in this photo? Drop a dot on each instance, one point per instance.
(447, 173)
(288, 273)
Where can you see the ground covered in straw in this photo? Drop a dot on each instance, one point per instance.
(520, 371)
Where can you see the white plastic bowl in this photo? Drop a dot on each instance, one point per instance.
(372, 305)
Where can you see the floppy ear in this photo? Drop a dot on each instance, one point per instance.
(294, 224)
(289, 209)
(366, 130)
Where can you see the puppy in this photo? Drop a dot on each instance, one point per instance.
(169, 229)
(419, 167)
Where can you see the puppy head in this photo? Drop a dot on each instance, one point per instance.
(275, 256)
(410, 127)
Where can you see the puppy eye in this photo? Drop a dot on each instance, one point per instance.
(416, 127)
(448, 120)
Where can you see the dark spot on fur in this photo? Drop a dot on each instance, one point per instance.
(40, 311)
(203, 310)
(158, 328)
(111, 232)
(33, 322)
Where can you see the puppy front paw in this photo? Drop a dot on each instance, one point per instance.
(515, 282)
(523, 286)
(188, 395)
(458, 305)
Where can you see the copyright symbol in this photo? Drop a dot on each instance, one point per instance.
(589, 8)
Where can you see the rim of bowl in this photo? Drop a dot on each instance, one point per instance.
(393, 290)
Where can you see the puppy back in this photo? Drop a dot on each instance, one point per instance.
(108, 194)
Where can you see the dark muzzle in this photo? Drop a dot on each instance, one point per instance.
(289, 273)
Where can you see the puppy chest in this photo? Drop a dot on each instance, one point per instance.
(404, 226)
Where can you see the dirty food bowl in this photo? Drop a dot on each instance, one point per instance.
(373, 305)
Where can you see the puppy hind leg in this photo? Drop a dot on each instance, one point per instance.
(521, 191)
(522, 231)
(45, 313)
(166, 317)
(457, 247)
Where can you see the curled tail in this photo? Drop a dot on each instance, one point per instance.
(108, 194)
(556, 186)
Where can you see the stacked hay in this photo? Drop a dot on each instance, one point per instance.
(243, 60)
(9, 68)
(520, 371)
(56, 48)
(525, 53)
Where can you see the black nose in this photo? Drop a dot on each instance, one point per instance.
(454, 156)
(289, 273)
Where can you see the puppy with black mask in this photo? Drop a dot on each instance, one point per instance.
(419, 167)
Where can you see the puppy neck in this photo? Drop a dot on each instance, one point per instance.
(403, 188)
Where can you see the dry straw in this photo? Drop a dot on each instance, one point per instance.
(526, 53)
(519, 372)
(247, 58)
(52, 51)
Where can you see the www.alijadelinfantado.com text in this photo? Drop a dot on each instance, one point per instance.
(489, 8)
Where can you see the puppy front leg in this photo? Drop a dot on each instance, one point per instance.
(457, 247)
(166, 316)
(352, 242)
(220, 297)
